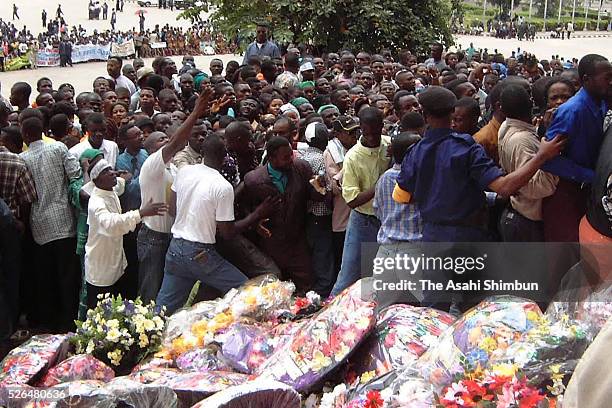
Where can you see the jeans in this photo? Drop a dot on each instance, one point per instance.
(395, 275)
(320, 240)
(360, 229)
(188, 262)
(513, 227)
(246, 256)
(151, 247)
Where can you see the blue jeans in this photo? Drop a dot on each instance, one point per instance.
(320, 240)
(391, 251)
(360, 229)
(151, 247)
(188, 262)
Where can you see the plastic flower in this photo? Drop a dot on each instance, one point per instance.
(373, 400)
(113, 335)
(115, 356)
(488, 344)
(143, 340)
(367, 376)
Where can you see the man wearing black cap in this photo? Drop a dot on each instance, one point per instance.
(455, 211)
(261, 46)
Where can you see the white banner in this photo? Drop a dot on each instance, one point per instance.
(48, 58)
(158, 45)
(89, 52)
(123, 50)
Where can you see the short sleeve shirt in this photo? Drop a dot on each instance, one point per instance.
(203, 197)
(446, 174)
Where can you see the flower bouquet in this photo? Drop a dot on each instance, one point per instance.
(548, 353)
(254, 394)
(197, 327)
(120, 332)
(502, 387)
(403, 333)
(25, 364)
(78, 367)
(323, 342)
(489, 327)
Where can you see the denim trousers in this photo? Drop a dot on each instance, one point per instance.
(393, 250)
(361, 228)
(151, 247)
(188, 262)
(320, 240)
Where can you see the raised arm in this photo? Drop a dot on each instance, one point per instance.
(179, 139)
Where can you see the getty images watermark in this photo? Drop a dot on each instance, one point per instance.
(417, 268)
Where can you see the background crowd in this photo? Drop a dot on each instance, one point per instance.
(16, 41)
(158, 177)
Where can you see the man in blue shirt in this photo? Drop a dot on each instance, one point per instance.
(580, 119)
(131, 161)
(447, 173)
(261, 46)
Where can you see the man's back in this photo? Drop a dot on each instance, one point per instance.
(52, 167)
(203, 197)
(447, 173)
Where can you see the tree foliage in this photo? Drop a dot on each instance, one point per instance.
(335, 24)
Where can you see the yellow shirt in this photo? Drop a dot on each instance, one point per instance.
(487, 137)
(362, 168)
(45, 139)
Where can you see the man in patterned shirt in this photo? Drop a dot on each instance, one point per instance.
(56, 278)
(17, 190)
(319, 217)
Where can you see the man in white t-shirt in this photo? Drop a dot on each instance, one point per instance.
(96, 130)
(204, 203)
(156, 178)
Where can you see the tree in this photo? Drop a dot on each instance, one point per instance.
(334, 24)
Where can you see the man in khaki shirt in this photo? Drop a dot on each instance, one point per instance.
(518, 143)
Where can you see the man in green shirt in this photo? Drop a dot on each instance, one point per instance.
(363, 165)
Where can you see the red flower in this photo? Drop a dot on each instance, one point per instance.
(529, 398)
(373, 400)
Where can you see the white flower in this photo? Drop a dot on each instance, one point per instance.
(149, 325)
(121, 309)
(159, 322)
(113, 335)
(143, 341)
(90, 347)
(115, 356)
(113, 323)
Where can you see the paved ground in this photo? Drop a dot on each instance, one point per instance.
(542, 48)
(76, 12)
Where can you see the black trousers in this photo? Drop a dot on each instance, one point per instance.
(118, 288)
(10, 270)
(514, 227)
(56, 283)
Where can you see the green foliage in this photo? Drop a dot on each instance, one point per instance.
(334, 24)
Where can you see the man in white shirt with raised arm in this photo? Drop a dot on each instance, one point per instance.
(156, 178)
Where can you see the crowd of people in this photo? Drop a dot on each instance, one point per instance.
(158, 177)
(58, 35)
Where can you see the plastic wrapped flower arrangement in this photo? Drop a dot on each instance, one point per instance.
(120, 332)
